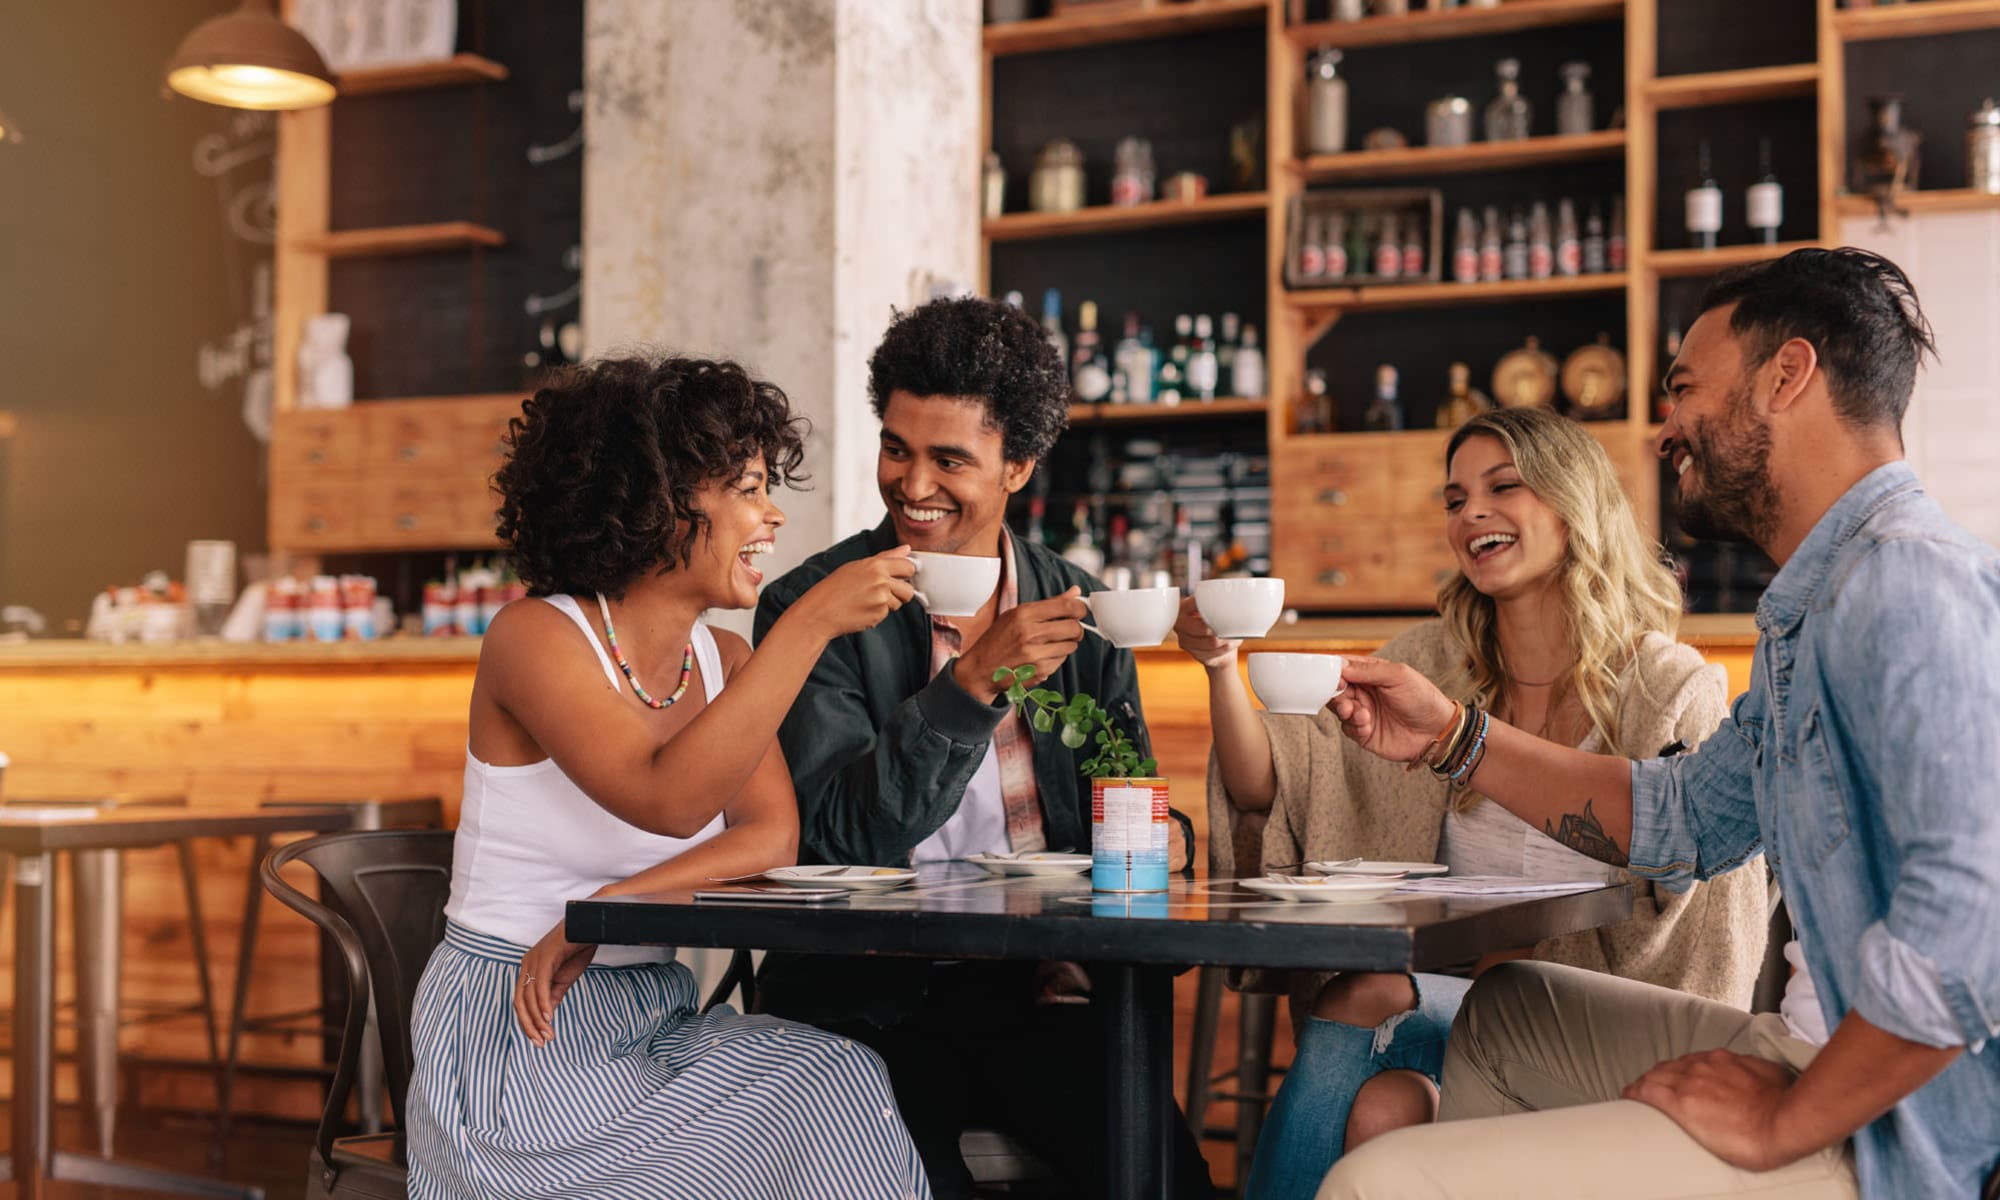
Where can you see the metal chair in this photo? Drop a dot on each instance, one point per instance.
(1253, 1090)
(392, 886)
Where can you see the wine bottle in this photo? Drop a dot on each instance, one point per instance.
(1764, 201)
(1052, 324)
(1465, 248)
(1569, 250)
(1614, 246)
(1491, 258)
(1090, 372)
(1593, 242)
(1704, 205)
(1516, 252)
(1541, 243)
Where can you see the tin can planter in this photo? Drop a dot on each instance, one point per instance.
(1129, 831)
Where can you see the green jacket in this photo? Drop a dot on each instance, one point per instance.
(880, 755)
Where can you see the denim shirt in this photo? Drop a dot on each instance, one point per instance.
(1865, 762)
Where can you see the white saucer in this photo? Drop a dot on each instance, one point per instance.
(1413, 870)
(1325, 889)
(1035, 862)
(854, 879)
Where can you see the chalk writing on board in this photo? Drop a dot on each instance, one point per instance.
(239, 156)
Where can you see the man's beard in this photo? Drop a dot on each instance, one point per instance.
(1737, 500)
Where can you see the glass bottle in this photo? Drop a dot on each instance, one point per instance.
(1385, 411)
(1132, 172)
(1614, 245)
(1491, 257)
(1593, 242)
(1465, 248)
(992, 187)
(1246, 370)
(1764, 200)
(1090, 371)
(1541, 243)
(1569, 249)
(1704, 205)
(1413, 247)
(1326, 104)
(1134, 361)
(1516, 252)
(1228, 337)
(1575, 107)
(1203, 372)
(1982, 149)
(1388, 251)
(1082, 550)
(1312, 249)
(1052, 327)
(1508, 115)
(1335, 248)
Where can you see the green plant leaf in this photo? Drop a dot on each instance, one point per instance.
(1149, 767)
(1045, 696)
(1102, 737)
(1072, 737)
(1043, 721)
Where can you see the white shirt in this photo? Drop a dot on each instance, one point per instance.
(980, 824)
(1803, 1016)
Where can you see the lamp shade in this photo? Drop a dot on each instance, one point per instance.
(250, 59)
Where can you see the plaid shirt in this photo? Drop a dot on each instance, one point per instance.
(1011, 745)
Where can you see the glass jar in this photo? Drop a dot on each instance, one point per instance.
(1132, 173)
(1575, 107)
(1982, 150)
(1056, 184)
(1326, 104)
(1448, 121)
(1509, 116)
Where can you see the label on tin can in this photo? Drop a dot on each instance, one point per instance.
(1128, 836)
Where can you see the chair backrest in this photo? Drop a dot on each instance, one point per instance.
(390, 887)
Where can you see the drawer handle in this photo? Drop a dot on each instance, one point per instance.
(406, 521)
(408, 453)
(1334, 496)
(315, 524)
(1334, 578)
(1333, 545)
(316, 456)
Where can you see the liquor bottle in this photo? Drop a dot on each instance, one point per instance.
(1090, 372)
(1013, 300)
(1614, 246)
(1388, 251)
(1314, 413)
(1202, 370)
(1118, 549)
(1491, 257)
(1593, 241)
(1541, 244)
(1516, 253)
(1463, 402)
(1465, 248)
(1171, 383)
(1134, 361)
(1569, 251)
(1334, 248)
(1184, 552)
(1508, 115)
(1413, 247)
(1764, 202)
(1227, 554)
(1082, 549)
(1312, 249)
(1359, 251)
(1575, 110)
(1036, 532)
(1704, 205)
(1229, 337)
(1052, 324)
(1384, 412)
(1246, 370)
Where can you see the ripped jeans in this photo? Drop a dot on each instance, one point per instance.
(1306, 1130)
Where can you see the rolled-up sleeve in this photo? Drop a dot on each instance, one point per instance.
(1916, 647)
(1694, 816)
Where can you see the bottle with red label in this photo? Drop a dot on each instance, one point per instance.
(1335, 247)
(1388, 250)
(1569, 248)
(1465, 248)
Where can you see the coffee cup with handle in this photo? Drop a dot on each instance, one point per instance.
(1300, 684)
(1240, 608)
(1135, 616)
(954, 585)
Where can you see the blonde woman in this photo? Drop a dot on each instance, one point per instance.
(1561, 618)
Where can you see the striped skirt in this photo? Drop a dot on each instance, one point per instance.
(637, 1094)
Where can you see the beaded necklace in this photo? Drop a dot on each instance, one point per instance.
(611, 636)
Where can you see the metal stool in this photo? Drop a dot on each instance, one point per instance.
(1257, 1019)
(420, 812)
(97, 915)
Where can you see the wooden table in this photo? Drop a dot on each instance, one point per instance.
(33, 838)
(1133, 944)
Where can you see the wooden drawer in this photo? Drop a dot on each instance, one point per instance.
(413, 513)
(309, 515)
(322, 445)
(481, 434)
(1326, 567)
(410, 438)
(1350, 476)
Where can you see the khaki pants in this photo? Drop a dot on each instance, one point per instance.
(1538, 1056)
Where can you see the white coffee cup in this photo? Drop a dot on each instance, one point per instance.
(1296, 683)
(1134, 617)
(1240, 608)
(954, 585)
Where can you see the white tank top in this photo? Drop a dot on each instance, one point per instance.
(529, 839)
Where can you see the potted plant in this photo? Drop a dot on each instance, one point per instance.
(1129, 815)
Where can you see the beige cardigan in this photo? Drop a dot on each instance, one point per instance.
(1335, 800)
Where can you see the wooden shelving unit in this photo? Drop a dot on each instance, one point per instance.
(400, 239)
(1925, 19)
(1104, 218)
(1457, 160)
(1127, 25)
(1186, 410)
(1393, 297)
(1693, 264)
(1936, 200)
(456, 71)
(1712, 88)
(1433, 25)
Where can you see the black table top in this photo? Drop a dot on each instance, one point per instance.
(29, 830)
(955, 910)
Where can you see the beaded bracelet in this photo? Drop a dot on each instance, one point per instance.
(1448, 742)
(1470, 763)
(1461, 748)
(1442, 738)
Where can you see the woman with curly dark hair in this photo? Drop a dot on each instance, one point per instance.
(606, 756)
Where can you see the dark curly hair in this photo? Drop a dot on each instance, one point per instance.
(604, 464)
(975, 347)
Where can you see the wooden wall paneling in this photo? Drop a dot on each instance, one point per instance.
(1284, 348)
(299, 275)
(1642, 309)
(1832, 139)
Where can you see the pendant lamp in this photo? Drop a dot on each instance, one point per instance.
(250, 59)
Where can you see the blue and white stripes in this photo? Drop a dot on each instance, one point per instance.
(637, 1095)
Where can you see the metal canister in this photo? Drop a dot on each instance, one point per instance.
(1326, 104)
(1982, 150)
(1448, 121)
(1056, 184)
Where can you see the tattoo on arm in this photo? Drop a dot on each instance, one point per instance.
(1582, 833)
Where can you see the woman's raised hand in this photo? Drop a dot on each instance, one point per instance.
(859, 594)
(1200, 641)
(1389, 709)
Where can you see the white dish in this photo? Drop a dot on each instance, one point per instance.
(1412, 870)
(854, 879)
(1037, 862)
(1325, 889)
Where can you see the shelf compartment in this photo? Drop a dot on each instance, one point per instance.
(1689, 264)
(1934, 200)
(456, 71)
(1457, 160)
(1187, 410)
(1390, 297)
(1916, 20)
(1124, 25)
(1436, 25)
(1105, 218)
(1708, 89)
(401, 239)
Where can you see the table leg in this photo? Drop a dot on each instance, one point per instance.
(98, 892)
(1136, 1005)
(34, 967)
